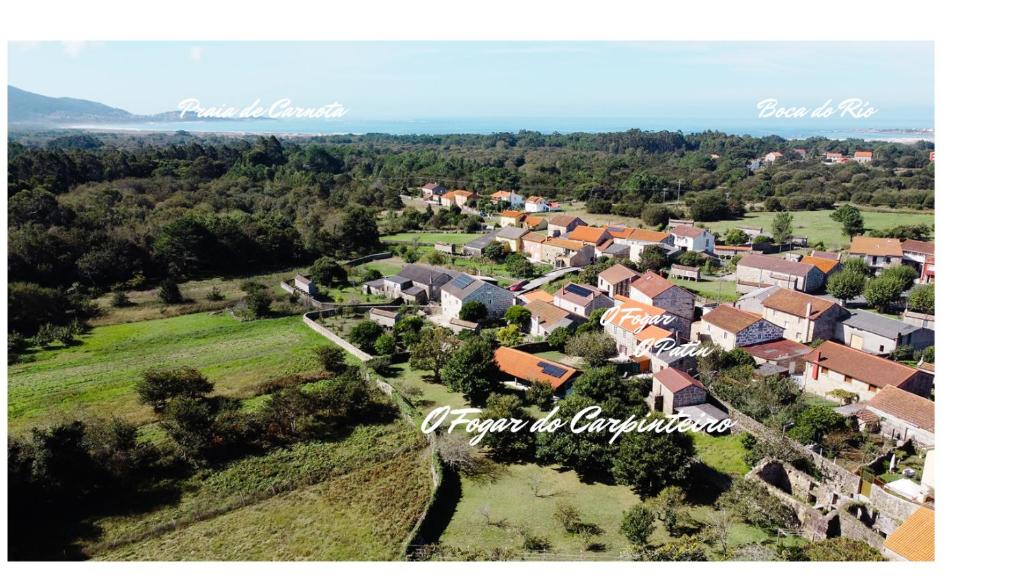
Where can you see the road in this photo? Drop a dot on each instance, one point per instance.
(543, 280)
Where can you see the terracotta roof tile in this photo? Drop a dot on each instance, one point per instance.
(873, 246)
(563, 220)
(927, 248)
(760, 261)
(825, 265)
(914, 409)
(795, 303)
(675, 380)
(777, 349)
(731, 319)
(589, 234)
(687, 231)
(643, 235)
(634, 320)
(527, 367)
(617, 273)
(547, 312)
(652, 284)
(862, 366)
(914, 540)
(564, 243)
(537, 295)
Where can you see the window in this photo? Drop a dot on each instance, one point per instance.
(881, 348)
(847, 379)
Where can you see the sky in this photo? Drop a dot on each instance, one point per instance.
(395, 80)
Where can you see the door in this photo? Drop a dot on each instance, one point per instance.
(857, 342)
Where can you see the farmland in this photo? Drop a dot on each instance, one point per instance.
(429, 238)
(97, 377)
(817, 226)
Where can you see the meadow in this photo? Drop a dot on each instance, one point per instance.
(97, 377)
(817, 226)
(429, 238)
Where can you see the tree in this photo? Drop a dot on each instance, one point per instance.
(257, 299)
(603, 384)
(432, 350)
(408, 329)
(756, 505)
(508, 446)
(519, 266)
(814, 422)
(656, 215)
(364, 334)
(637, 525)
(159, 386)
(332, 359)
(735, 236)
(708, 206)
(356, 232)
(540, 394)
(845, 284)
(653, 257)
(922, 299)
(509, 335)
(594, 347)
(328, 272)
(649, 462)
(841, 549)
(385, 344)
(169, 292)
(883, 291)
(189, 422)
(857, 265)
(782, 228)
(471, 371)
(473, 311)
(850, 218)
(559, 337)
(495, 251)
(519, 316)
(906, 275)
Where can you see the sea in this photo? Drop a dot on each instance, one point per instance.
(892, 130)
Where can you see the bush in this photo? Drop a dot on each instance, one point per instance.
(120, 299)
(568, 516)
(170, 293)
(332, 359)
(364, 334)
(385, 344)
(473, 311)
(637, 525)
(159, 386)
(257, 300)
(558, 337)
(214, 295)
(540, 394)
(594, 347)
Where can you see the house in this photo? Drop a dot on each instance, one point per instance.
(510, 217)
(476, 246)
(728, 250)
(537, 295)
(862, 156)
(834, 158)
(536, 204)
(653, 289)
(684, 272)
(801, 152)
(825, 265)
(825, 254)
(581, 299)
(878, 253)
(730, 327)
(615, 280)
(612, 249)
(752, 302)
(626, 322)
(804, 318)
(562, 252)
(914, 539)
(880, 335)
(904, 416)
(525, 369)
(563, 224)
(533, 245)
(927, 271)
(931, 156)
(752, 232)
(782, 353)
(509, 198)
(834, 366)
(305, 284)
(432, 192)
(672, 389)
(458, 198)
(593, 235)
(640, 238)
(384, 317)
(756, 271)
(916, 253)
(512, 237)
(674, 222)
(535, 222)
(415, 283)
(546, 317)
(773, 156)
(690, 237)
(464, 288)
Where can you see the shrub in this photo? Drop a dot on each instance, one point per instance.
(473, 311)
(214, 295)
(170, 293)
(637, 525)
(364, 334)
(159, 386)
(568, 516)
(385, 344)
(332, 359)
(120, 299)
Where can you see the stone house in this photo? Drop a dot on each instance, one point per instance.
(730, 327)
(904, 416)
(533, 245)
(546, 317)
(638, 239)
(880, 335)
(804, 318)
(562, 252)
(756, 271)
(581, 299)
(384, 317)
(535, 222)
(785, 354)
(615, 280)
(563, 224)
(432, 192)
(834, 366)
(653, 289)
(689, 237)
(672, 389)
(878, 253)
(464, 288)
(305, 284)
(684, 272)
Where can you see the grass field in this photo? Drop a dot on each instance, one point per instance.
(711, 289)
(817, 226)
(429, 238)
(354, 499)
(723, 453)
(97, 377)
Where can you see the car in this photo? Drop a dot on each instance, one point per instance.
(518, 286)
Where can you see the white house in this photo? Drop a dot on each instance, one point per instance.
(512, 198)
(536, 204)
(693, 238)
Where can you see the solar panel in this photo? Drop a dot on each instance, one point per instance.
(577, 290)
(462, 281)
(549, 369)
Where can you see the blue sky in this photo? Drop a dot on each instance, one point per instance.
(468, 79)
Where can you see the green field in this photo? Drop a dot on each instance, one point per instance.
(429, 238)
(723, 453)
(97, 377)
(711, 289)
(817, 226)
(355, 499)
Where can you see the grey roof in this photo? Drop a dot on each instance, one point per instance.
(759, 294)
(512, 232)
(414, 290)
(426, 275)
(616, 248)
(702, 412)
(397, 279)
(480, 242)
(463, 286)
(768, 369)
(878, 324)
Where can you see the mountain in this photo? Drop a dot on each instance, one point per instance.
(29, 108)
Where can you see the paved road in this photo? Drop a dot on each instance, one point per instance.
(543, 280)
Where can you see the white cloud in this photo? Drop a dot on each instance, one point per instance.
(195, 53)
(75, 48)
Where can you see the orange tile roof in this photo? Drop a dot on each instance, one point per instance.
(914, 409)
(862, 154)
(862, 366)
(534, 237)
(538, 295)
(733, 247)
(873, 246)
(653, 332)
(730, 318)
(564, 243)
(527, 367)
(633, 320)
(534, 220)
(501, 194)
(564, 219)
(675, 380)
(535, 199)
(460, 192)
(652, 284)
(511, 213)
(643, 235)
(914, 540)
(617, 273)
(620, 231)
(450, 195)
(825, 265)
(546, 312)
(590, 234)
(795, 303)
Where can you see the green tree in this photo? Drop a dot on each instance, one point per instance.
(649, 462)
(922, 299)
(509, 335)
(519, 266)
(159, 386)
(473, 311)
(385, 344)
(169, 292)
(257, 300)
(519, 316)
(845, 284)
(332, 359)
(559, 337)
(432, 350)
(841, 549)
(364, 334)
(857, 265)
(594, 347)
(637, 525)
(327, 272)
(906, 275)
(495, 251)
(653, 257)
(735, 236)
(471, 371)
(782, 228)
(883, 291)
(508, 446)
(656, 215)
(540, 394)
(850, 218)
(814, 422)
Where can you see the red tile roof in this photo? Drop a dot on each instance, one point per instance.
(777, 350)
(914, 409)
(617, 273)
(914, 540)
(795, 303)
(652, 284)
(927, 248)
(687, 231)
(873, 246)
(731, 319)
(780, 265)
(634, 320)
(825, 265)
(862, 366)
(527, 367)
(537, 295)
(675, 380)
(589, 234)
(642, 235)
(564, 243)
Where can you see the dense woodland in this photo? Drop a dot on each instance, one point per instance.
(92, 212)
